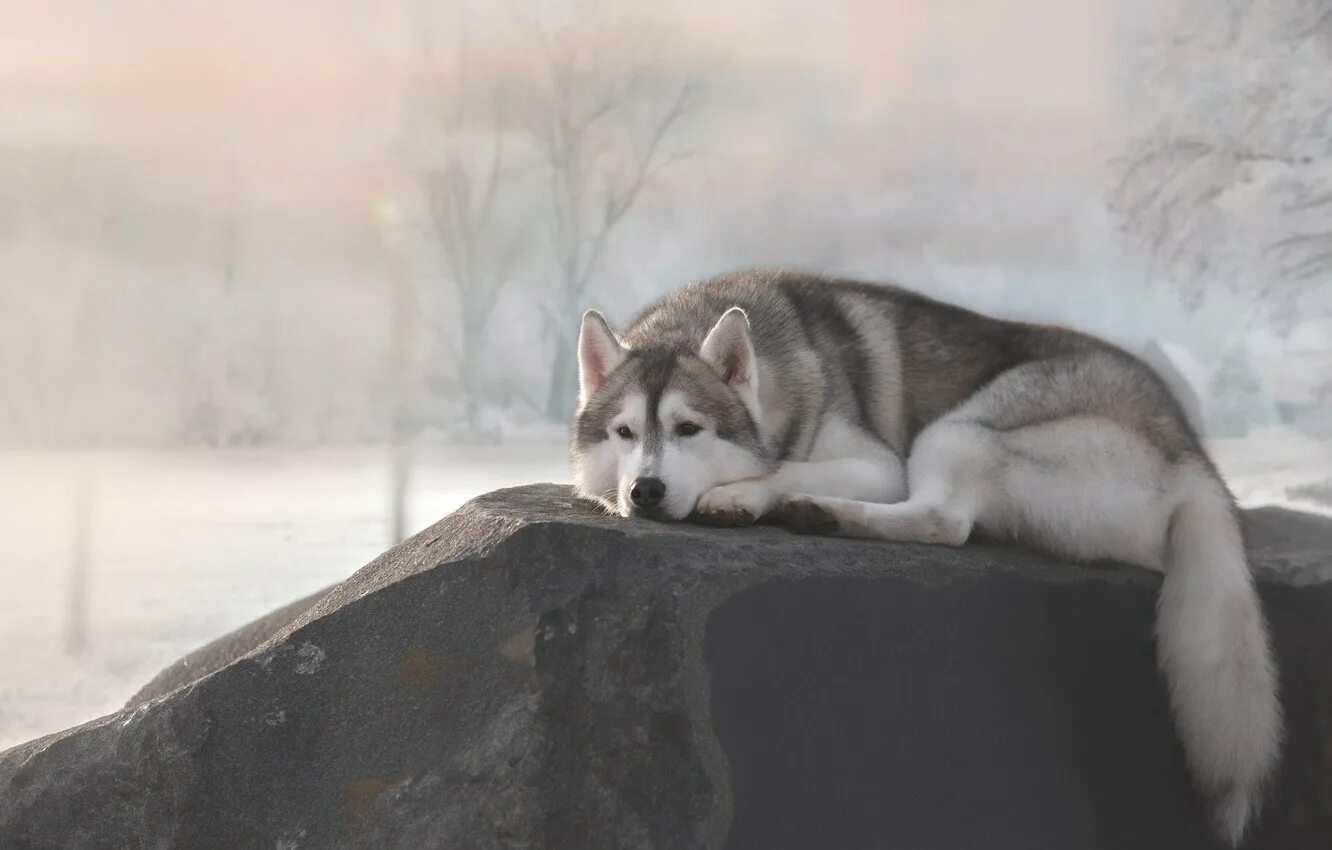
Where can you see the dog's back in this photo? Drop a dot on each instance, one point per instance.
(893, 360)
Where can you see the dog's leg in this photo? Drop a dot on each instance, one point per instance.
(914, 521)
(876, 478)
(950, 471)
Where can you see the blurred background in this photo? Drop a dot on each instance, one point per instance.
(282, 281)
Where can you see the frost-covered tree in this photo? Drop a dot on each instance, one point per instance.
(604, 99)
(477, 218)
(543, 126)
(1237, 396)
(1227, 175)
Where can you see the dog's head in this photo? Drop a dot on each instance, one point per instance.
(658, 426)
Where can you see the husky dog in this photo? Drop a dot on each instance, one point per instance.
(869, 411)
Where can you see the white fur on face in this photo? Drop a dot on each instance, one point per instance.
(688, 466)
(595, 474)
(607, 471)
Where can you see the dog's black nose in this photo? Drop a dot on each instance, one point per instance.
(647, 492)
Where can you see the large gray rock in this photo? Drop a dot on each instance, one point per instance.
(528, 674)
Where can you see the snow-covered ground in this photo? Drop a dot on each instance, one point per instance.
(1276, 467)
(187, 545)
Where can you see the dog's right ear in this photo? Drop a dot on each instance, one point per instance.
(599, 352)
(729, 351)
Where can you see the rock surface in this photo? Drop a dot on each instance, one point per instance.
(529, 674)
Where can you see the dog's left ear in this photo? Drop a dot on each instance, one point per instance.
(729, 351)
(599, 352)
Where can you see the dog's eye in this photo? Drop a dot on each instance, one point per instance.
(625, 432)
(687, 429)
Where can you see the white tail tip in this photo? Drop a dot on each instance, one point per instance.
(1232, 812)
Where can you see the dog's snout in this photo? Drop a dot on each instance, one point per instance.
(647, 492)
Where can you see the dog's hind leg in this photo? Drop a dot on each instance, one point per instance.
(913, 521)
(950, 474)
(1046, 455)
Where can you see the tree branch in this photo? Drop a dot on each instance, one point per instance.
(615, 208)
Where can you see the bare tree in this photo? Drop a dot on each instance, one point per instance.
(1227, 178)
(466, 177)
(602, 106)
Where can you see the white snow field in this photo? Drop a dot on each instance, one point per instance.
(187, 545)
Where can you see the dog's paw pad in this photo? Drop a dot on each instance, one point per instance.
(734, 504)
(725, 518)
(806, 516)
(742, 516)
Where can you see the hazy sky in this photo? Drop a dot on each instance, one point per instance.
(300, 96)
(152, 74)
(297, 106)
(167, 146)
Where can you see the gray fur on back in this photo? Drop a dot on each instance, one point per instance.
(816, 336)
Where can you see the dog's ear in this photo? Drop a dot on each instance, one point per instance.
(728, 350)
(599, 351)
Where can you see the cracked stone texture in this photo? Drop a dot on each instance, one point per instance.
(527, 673)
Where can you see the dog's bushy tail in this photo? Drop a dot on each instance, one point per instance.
(1212, 646)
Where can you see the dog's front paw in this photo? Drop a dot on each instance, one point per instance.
(741, 503)
(804, 515)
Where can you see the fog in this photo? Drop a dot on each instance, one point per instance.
(294, 229)
(209, 211)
